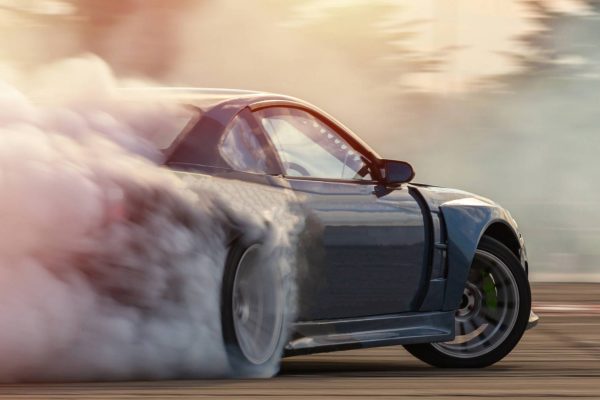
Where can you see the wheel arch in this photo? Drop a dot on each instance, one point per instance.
(506, 235)
(467, 220)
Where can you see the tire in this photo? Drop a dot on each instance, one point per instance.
(493, 316)
(252, 312)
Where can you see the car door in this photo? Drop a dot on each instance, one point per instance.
(364, 245)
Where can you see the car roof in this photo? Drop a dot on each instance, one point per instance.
(204, 98)
(222, 104)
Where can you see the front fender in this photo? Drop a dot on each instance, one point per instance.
(466, 221)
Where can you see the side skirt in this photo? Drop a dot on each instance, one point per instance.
(384, 330)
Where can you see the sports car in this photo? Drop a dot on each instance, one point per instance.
(381, 260)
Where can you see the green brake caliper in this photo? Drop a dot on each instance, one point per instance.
(490, 298)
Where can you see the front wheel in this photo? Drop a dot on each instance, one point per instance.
(493, 313)
(252, 312)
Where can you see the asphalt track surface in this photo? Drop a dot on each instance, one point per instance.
(558, 359)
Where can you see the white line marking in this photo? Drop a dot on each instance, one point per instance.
(559, 308)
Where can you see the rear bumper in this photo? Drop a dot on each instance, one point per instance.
(533, 320)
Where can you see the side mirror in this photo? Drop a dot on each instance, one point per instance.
(396, 172)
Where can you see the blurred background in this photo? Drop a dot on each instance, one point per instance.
(497, 97)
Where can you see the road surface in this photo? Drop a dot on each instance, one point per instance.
(558, 359)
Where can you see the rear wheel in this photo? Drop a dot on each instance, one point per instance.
(493, 313)
(252, 312)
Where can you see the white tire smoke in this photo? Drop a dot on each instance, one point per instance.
(110, 266)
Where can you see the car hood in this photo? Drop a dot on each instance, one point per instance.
(436, 196)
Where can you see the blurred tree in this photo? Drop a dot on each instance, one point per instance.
(564, 46)
(369, 36)
(132, 35)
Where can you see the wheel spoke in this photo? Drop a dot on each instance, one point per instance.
(471, 322)
(461, 329)
(506, 304)
(490, 319)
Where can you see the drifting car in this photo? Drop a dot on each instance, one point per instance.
(385, 261)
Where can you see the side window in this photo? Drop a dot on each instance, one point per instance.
(241, 149)
(309, 147)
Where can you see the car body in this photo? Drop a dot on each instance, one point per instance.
(385, 260)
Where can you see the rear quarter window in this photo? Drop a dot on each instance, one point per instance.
(241, 148)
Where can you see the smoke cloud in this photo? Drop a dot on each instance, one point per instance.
(110, 266)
